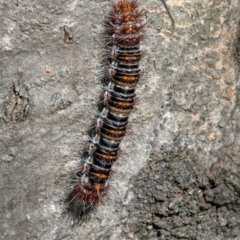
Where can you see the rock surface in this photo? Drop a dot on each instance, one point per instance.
(179, 177)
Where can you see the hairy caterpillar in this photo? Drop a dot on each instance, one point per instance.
(124, 33)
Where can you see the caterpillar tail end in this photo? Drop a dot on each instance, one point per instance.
(78, 211)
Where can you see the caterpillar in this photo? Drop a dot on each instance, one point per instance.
(124, 31)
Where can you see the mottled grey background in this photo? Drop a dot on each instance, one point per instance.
(179, 177)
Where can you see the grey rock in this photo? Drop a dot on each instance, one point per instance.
(179, 176)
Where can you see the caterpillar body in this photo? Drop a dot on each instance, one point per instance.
(124, 33)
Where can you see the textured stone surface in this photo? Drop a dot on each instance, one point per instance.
(179, 178)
